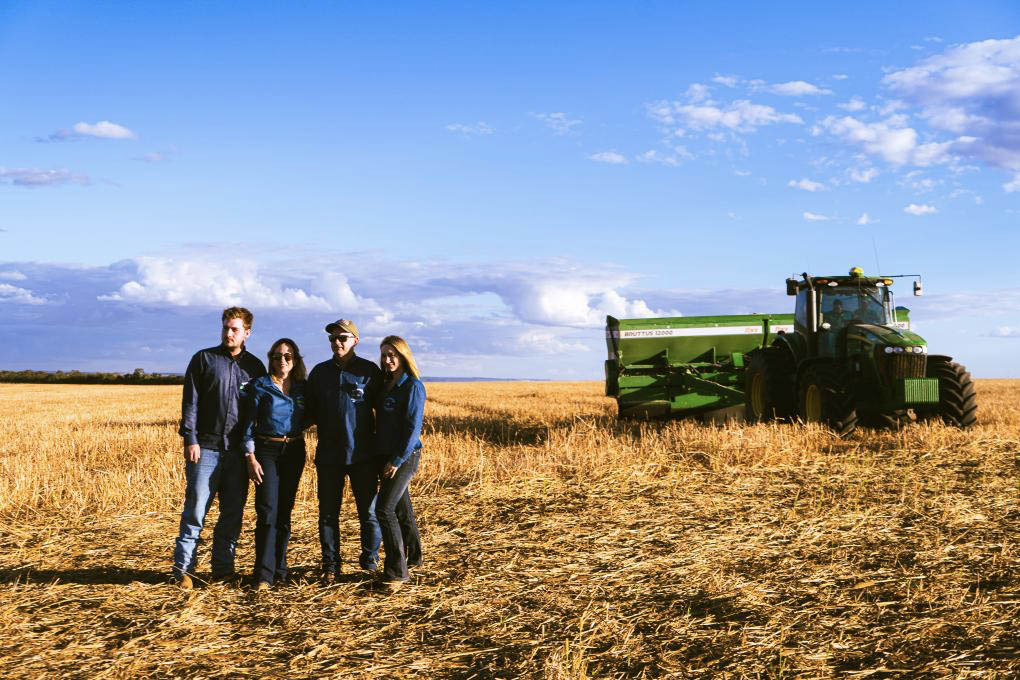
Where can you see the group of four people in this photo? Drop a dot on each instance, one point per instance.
(240, 422)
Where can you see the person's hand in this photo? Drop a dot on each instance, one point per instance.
(389, 470)
(192, 452)
(254, 470)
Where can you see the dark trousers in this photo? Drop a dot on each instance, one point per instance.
(364, 485)
(397, 521)
(282, 465)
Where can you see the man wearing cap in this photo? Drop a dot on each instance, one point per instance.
(213, 446)
(339, 399)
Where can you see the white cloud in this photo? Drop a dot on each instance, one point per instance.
(558, 122)
(1012, 185)
(727, 81)
(739, 116)
(855, 104)
(890, 139)
(742, 173)
(915, 209)
(865, 219)
(797, 88)
(479, 128)
(840, 76)
(971, 90)
(806, 184)
(12, 275)
(221, 283)
(104, 129)
(611, 157)
(1005, 332)
(679, 154)
(19, 296)
(862, 175)
(34, 177)
(152, 157)
(697, 92)
(815, 217)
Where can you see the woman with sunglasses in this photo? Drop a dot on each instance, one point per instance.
(399, 413)
(273, 408)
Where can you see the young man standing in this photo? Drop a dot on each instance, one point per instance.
(213, 448)
(339, 399)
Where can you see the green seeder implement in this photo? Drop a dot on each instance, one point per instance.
(846, 355)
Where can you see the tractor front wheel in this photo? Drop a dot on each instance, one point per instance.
(825, 397)
(957, 399)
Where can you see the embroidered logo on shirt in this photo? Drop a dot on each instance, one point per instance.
(389, 403)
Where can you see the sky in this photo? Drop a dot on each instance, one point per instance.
(491, 180)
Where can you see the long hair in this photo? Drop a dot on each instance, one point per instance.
(399, 344)
(297, 372)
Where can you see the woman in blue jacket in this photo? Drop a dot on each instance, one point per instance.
(398, 426)
(275, 453)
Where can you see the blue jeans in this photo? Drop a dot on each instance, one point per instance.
(282, 465)
(396, 518)
(216, 472)
(363, 478)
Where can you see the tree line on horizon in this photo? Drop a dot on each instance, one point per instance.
(136, 377)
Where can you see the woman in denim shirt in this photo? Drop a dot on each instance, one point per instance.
(399, 412)
(273, 407)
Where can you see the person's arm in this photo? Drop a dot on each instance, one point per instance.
(411, 429)
(311, 400)
(189, 410)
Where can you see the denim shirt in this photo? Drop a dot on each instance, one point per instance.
(267, 411)
(400, 413)
(340, 401)
(210, 408)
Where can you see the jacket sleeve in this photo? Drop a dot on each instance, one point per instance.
(189, 401)
(249, 413)
(411, 425)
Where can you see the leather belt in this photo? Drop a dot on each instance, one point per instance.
(275, 439)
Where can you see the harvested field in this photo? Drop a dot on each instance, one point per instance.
(558, 544)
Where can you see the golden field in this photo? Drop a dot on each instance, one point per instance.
(558, 543)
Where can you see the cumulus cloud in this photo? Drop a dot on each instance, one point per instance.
(862, 175)
(1005, 332)
(558, 122)
(12, 275)
(806, 184)
(891, 139)
(10, 294)
(855, 104)
(611, 157)
(727, 81)
(972, 90)
(679, 154)
(34, 177)
(1012, 185)
(915, 209)
(104, 129)
(739, 116)
(468, 130)
(815, 217)
(865, 219)
(797, 88)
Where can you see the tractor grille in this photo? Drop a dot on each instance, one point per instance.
(896, 366)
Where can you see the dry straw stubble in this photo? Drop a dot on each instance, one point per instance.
(559, 543)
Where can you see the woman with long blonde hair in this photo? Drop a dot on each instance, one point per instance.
(400, 410)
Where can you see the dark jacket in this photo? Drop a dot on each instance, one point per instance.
(267, 411)
(340, 403)
(398, 423)
(210, 405)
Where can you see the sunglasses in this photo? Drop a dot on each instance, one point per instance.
(341, 338)
(276, 356)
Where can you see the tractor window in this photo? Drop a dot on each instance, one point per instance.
(800, 312)
(842, 305)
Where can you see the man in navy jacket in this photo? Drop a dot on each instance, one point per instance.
(339, 399)
(213, 446)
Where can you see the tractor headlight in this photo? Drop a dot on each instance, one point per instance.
(889, 350)
(898, 350)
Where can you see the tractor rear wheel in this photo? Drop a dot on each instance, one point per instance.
(957, 398)
(825, 397)
(769, 386)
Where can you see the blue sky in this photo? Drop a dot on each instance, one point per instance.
(491, 181)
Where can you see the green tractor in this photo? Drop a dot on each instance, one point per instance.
(852, 358)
